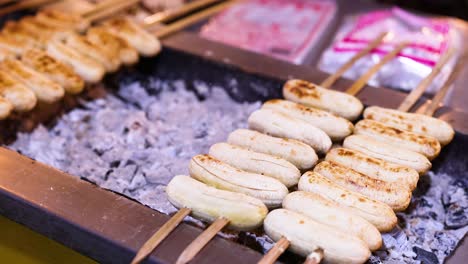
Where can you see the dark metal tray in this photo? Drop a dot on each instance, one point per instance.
(109, 227)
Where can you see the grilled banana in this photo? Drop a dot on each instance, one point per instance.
(208, 204)
(134, 34)
(223, 176)
(12, 44)
(279, 124)
(337, 128)
(377, 213)
(5, 108)
(16, 93)
(327, 212)
(374, 168)
(307, 235)
(255, 162)
(45, 90)
(397, 196)
(387, 152)
(296, 152)
(309, 94)
(416, 123)
(34, 26)
(93, 51)
(426, 145)
(113, 44)
(54, 70)
(85, 67)
(57, 19)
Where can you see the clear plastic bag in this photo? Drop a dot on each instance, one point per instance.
(428, 38)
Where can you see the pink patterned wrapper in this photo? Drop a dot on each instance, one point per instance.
(285, 29)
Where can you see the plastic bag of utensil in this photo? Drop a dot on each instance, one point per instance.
(427, 39)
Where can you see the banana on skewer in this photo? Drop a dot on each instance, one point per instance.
(296, 152)
(57, 19)
(21, 98)
(216, 173)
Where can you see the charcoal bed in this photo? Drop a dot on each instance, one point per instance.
(216, 83)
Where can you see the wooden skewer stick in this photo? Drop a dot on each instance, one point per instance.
(192, 19)
(200, 242)
(21, 5)
(413, 97)
(440, 95)
(275, 252)
(327, 83)
(361, 82)
(164, 16)
(160, 235)
(315, 257)
(109, 9)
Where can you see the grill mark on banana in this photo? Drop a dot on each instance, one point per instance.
(296, 152)
(426, 145)
(255, 162)
(376, 212)
(21, 98)
(328, 212)
(387, 152)
(396, 195)
(208, 203)
(134, 34)
(374, 168)
(279, 124)
(307, 235)
(44, 89)
(54, 70)
(309, 94)
(336, 127)
(416, 123)
(223, 176)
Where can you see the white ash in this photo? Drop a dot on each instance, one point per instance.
(135, 146)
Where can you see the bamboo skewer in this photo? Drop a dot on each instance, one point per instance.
(164, 16)
(327, 83)
(440, 95)
(200, 242)
(21, 5)
(275, 252)
(413, 97)
(159, 236)
(356, 87)
(109, 9)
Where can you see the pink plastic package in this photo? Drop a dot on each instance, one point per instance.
(428, 38)
(285, 29)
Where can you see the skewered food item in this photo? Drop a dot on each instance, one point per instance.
(16, 93)
(337, 128)
(309, 94)
(416, 123)
(327, 212)
(208, 203)
(256, 162)
(6, 53)
(115, 45)
(135, 35)
(397, 196)
(223, 176)
(374, 168)
(31, 24)
(18, 33)
(5, 108)
(44, 89)
(12, 44)
(307, 235)
(387, 152)
(54, 70)
(57, 19)
(281, 125)
(426, 145)
(93, 51)
(296, 152)
(85, 67)
(377, 213)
